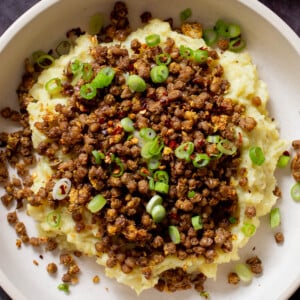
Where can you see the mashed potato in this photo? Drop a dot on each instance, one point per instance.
(244, 85)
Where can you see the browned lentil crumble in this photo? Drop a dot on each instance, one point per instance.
(187, 107)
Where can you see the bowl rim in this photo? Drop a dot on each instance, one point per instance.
(256, 6)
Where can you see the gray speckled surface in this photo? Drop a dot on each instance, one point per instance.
(288, 10)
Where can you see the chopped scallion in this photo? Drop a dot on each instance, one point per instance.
(174, 234)
(95, 24)
(64, 287)
(197, 222)
(244, 272)
(184, 151)
(53, 219)
(161, 187)
(295, 191)
(155, 200)
(226, 147)
(163, 59)
(88, 91)
(201, 160)
(158, 213)
(45, 61)
(159, 74)
(237, 44)
(136, 83)
(63, 48)
(275, 217)
(96, 204)
(191, 194)
(200, 56)
(104, 78)
(152, 40)
(53, 86)
(283, 161)
(256, 155)
(147, 134)
(98, 156)
(248, 229)
(210, 36)
(185, 14)
(161, 176)
(127, 124)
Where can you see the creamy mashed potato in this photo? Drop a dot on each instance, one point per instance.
(244, 85)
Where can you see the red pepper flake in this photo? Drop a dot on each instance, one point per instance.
(117, 130)
(101, 120)
(286, 153)
(173, 144)
(240, 138)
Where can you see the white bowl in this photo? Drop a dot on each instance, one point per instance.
(276, 51)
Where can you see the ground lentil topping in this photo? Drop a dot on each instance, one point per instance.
(188, 108)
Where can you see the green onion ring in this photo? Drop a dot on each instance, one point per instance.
(152, 40)
(96, 204)
(174, 234)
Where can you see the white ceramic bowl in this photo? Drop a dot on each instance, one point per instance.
(276, 51)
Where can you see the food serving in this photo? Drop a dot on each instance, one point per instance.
(155, 152)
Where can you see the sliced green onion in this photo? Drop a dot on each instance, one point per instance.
(45, 61)
(64, 287)
(185, 52)
(119, 171)
(155, 200)
(222, 28)
(156, 146)
(136, 83)
(147, 134)
(152, 148)
(244, 272)
(210, 36)
(127, 124)
(232, 220)
(98, 156)
(53, 86)
(88, 91)
(226, 147)
(248, 229)
(37, 54)
(234, 30)
(145, 151)
(151, 184)
(283, 161)
(53, 219)
(275, 217)
(159, 74)
(153, 163)
(204, 294)
(95, 24)
(96, 204)
(295, 191)
(76, 66)
(161, 187)
(174, 234)
(200, 56)
(163, 59)
(184, 151)
(197, 222)
(214, 139)
(256, 155)
(185, 14)
(201, 160)
(191, 194)
(237, 45)
(63, 48)
(158, 213)
(152, 40)
(104, 78)
(161, 176)
(87, 72)
(61, 189)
